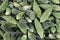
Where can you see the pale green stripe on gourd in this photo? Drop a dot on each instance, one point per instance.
(56, 14)
(3, 6)
(9, 19)
(39, 28)
(46, 14)
(36, 9)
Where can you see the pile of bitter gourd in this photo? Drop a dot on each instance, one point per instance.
(29, 19)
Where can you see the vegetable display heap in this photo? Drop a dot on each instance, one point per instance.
(29, 19)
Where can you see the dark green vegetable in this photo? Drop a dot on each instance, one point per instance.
(8, 36)
(45, 6)
(36, 9)
(21, 28)
(56, 14)
(9, 19)
(46, 14)
(56, 7)
(39, 28)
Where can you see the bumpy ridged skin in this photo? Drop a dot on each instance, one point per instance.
(29, 19)
(36, 9)
(9, 19)
(46, 14)
(39, 28)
